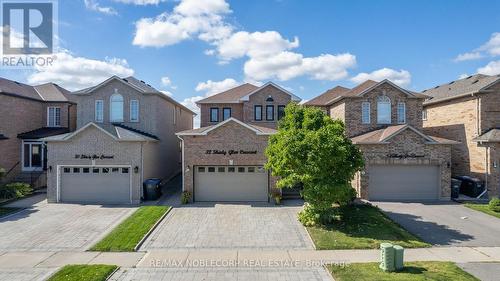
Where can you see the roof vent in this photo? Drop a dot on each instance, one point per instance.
(436, 87)
(451, 82)
(475, 81)
(125, 80)
(469, 77)
(143, 82)
(424, 91)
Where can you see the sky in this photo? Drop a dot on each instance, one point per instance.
(191, 49)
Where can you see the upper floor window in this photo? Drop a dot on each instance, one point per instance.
(257, 111)
(226, 113)
(99, 111)
(383, 110)
(214, 114)
(53, 116)
(365, 112)
(269, 112)
(401, 113)
(134, 111)
(269, 99)
(281, 111)
(116, 108)
(424, 114)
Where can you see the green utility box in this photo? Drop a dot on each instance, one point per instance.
(386, 257)
(398, 257)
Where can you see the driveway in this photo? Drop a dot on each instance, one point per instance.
(226, 226)
(57, 227)
(445, 224)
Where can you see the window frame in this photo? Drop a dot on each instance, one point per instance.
(380, 102)
(283, 111)
(111, 102)
(255, 113)
(267, 112)
(368, 116)
(96, 113)
(424, 115)
(399, 120)
(224, 113)
(217, 115)
(131, 115)
(57, 110)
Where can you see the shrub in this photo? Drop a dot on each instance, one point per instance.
(276, 195)
(310, 216)
(15, 190)
(186, 197)
(494, 205)
(2, 173)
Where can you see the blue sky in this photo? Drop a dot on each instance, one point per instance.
(204, 46)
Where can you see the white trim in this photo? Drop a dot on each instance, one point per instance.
(182, 160)
(429, 139)
(58, 177)
(369, 112)
(404, 112)
(138, 114)
(42, 155)
(116, 94)
(105, 82)
(247, 97)
(390, 83)
(85, 127)
(424, 114)
(204, 133)
(95, 111)
(386, 101)
(55, 119)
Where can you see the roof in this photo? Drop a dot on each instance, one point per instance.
(118, 132)
(242, 93)
(493, 135)
(383, 135)
(3, 137)
(51, 92)
(327, 96)
(137, 84)
(203, 131)
(459, 88)
(48, 92)
(43, 133)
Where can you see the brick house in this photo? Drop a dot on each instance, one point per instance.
(384, 121)
(468, 110)
(125, 134)
(30, 113)
(223, 160)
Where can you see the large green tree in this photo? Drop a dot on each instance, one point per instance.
(312, 149)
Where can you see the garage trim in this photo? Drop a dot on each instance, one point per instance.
(58, 185)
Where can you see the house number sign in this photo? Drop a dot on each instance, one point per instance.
(229, 152)
(404, 156)
(94, 156)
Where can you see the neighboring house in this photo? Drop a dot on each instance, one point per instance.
(125, 135)
(30, 113)
(384, 121)
(468, 110)
(224, 159)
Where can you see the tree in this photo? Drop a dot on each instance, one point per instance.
(312, 149)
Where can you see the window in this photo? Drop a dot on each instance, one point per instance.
(269, 112)
(383, 110)
(116, 106)
(269, 99)
(365, 112)
(76, 170)
(124, 170)
(33, 156)
(134, 111)
(95, 170)
(230, 169)
(174, 115)
(241, 169)
(221, 169)
(257, 111)
(226, 113)
(211, 169)
(86, 170)
(115, 170)
(53, 116)
(201, 169)
(424, 114)
(281, 111)
(251, 169)
(214, 114)
(105, 170)
(401, 113)
(67, 170)
(99, 111)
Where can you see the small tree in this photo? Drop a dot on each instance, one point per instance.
(312, 149)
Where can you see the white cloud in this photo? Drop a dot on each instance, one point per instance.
(74, 72)
(491, 48)
(213, 87)
(492, 68)
(468, 56)
(140, 2)
(191, 104)
(463, 75)
(165, 81)
(190, 18)
(93, 5)
(168, 93)
(401, 77)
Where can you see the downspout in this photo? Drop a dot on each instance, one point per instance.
(142, 170)
(486, 148)
(182, 161)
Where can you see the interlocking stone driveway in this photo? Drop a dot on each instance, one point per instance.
(26, 274)
(58, 227)
(230, 226)
(223, 274)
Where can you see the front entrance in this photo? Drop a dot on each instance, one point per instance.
(33, 156)
(231, 183)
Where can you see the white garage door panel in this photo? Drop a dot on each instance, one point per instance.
(104, 188)
(214, 183)
(403, 182)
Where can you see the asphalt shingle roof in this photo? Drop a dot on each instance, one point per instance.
(48, 92)
(327, 96)
(232, 95)
(492, 135)
(382, 135)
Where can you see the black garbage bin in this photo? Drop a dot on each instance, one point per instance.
(455, 188)
(151, 189)
(470, 186)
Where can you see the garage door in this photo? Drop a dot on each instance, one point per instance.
(403, 182)
(102, 185)
(230, 183)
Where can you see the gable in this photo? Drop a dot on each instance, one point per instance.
(405, 134)
(387, 89)
(271, 88)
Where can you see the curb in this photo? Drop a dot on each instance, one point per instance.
(151, 230)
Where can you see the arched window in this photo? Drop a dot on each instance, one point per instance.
(383, 110)
(116, 108)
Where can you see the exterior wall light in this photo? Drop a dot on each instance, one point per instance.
(50, 169)
(448, 165)
(188, 169)
(136, 169)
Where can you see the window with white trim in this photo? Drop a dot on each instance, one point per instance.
(99, 111)
(53, 116)
(401, 113)
(383, 110)
(365, 112)
(116, 108)
(424, 114)
(134, 111)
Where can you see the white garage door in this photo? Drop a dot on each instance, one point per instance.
(102, 185)
(403, 182)
(230, 183)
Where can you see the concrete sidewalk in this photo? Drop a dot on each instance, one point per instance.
(239, 258)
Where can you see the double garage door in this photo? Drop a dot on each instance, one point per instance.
(403, 182)
(230, 183)
(102, 185)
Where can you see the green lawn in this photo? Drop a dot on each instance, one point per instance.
(5, 211)
(362, 227)
(77, 272)
(482, 208)
(413, 271)
(129, 233)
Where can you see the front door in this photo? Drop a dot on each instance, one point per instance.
(33, 155)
